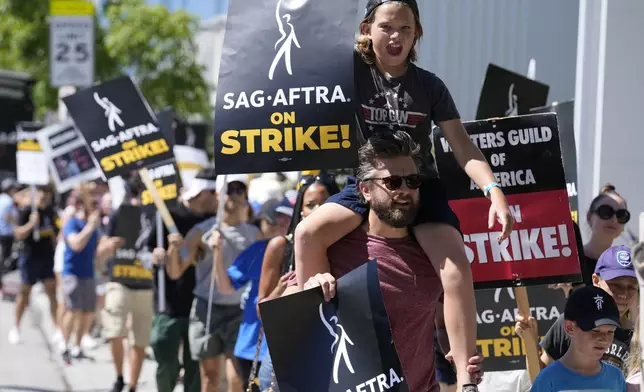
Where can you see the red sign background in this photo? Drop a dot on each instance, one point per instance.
(542, 248)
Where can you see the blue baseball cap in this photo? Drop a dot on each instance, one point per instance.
(614, 263)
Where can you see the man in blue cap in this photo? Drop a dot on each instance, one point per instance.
(614, 274)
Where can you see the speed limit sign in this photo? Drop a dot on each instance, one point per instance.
(71, 43)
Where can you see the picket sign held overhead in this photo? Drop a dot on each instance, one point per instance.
(31, 161)
(280, 107)
(68, 156)
(123, 133)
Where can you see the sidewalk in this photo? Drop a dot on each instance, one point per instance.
(33, 366)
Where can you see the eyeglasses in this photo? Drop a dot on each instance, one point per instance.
(606, 212)
(393, 183)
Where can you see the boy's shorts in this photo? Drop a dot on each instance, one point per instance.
(121, 301)
(434, 207)
(80, 294)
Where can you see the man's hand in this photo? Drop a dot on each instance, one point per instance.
(158, 256)
(34, 219)
(282, 284)
(500, 210)
(474, 368)
(326, 281)
(94, 219)
(216, 240)
(524, 326)
(114, 243)
(176, 240)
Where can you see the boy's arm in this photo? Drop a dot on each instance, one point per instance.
(444, 248)
(471, 159)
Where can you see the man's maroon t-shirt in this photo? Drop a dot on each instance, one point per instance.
(410, 288)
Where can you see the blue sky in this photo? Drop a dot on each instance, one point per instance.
(204, 8)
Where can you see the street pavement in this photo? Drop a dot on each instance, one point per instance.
(35, 366)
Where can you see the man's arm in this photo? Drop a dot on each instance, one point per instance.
(216, 244)
(22, 232)
(78, 241)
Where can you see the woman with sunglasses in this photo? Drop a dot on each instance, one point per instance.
(278, 263)
(607, 216)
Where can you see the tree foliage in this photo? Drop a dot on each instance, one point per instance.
(148, 42)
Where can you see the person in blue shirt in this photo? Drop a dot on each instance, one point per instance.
(275, 217)
(591, 318)
(81, 238)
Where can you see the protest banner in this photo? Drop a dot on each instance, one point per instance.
(167, 183)
(31, 161)
(566, 120)
(347, 341)
(525, 155)
(119, 127)
(70, 160)
(278, 107)
(506, 93)
(497, 340)
(132, 264)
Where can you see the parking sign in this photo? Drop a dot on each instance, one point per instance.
(71, 43)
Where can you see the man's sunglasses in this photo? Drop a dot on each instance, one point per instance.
(393, 183)
(606, 212)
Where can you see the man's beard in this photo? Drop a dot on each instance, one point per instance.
(395, 217)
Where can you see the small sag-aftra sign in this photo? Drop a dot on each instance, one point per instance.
(340, 346)
(118, 125)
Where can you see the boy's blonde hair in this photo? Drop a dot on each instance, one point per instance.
(365, 48)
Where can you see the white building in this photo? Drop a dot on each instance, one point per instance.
(587, 50)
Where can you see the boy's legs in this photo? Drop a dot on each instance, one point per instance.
(444, 247)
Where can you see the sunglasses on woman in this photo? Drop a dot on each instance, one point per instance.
(393, 183)
(606, 212)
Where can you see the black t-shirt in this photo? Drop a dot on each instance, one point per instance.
(44, 248)
(127, 267)
(409, 103)
(556, 344)
(178, 293)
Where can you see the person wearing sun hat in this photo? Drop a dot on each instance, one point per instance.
(614, 273)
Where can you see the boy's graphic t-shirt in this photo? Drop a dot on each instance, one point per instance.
(558, 378)
(556, 343)
(408, 103)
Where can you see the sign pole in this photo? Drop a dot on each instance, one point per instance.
(162, 216)
(35, 232)
(160, 271)
(521, 294)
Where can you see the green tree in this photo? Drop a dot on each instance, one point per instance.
(153, 45)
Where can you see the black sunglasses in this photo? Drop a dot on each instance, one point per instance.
(393, 183)
(606, 212)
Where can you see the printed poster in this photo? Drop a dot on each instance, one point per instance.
(284, 99)
(347, 341)
(119, 127)
(70, 161)
(525, 155)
